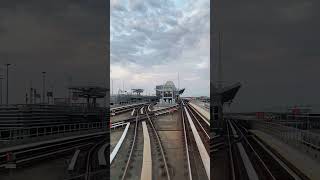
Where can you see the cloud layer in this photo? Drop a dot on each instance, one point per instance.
(153, 40)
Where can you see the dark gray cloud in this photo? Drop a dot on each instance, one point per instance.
(65, 38)
(272, 48)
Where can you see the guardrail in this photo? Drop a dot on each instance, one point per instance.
(304, 140)
(8, 135)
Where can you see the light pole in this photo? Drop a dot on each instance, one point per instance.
(43, 86)
(7, 101)
(1, 77)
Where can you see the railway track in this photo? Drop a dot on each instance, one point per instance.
(85, 166)
(202, 127)
(27, 154)
(133, 144)
(199, 164)
(191, 168)
(266, 164)
(126, 164)
(165, 168)
(186, 137)
(94, 171)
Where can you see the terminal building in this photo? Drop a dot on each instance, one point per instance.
(168, 93)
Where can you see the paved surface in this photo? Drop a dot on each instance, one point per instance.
(120, 117)
(48, 170)
(146, 172)
(170, 131)
(115, 135)
(307, 165)
(119, 163)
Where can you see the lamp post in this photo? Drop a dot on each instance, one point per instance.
(7, 100)
(43, 86)
(1, 77)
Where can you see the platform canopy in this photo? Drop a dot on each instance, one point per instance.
(89, 91)
(226, 93)
(138, 91)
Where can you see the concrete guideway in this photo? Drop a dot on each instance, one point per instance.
(73, 160)
(16, 148)
(101, 156)
(303, 162)
(117, 147)
(132, 113)
(203, 152)
(251, 172)
(146, 172)
(204, 114)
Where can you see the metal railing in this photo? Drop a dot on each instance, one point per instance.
(303, 140)
(17, 135)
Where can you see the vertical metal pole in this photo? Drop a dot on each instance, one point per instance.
(0, 89)
(220, 62)
(7, 101)
(31, 97)
(43, 86)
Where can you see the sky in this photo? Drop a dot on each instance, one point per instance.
(272, 49)
(67, 39)
(152, 41)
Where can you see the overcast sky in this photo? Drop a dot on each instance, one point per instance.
(154, 40)
(67, 39)
(273, 49)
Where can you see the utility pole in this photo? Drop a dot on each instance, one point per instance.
(43, 86)
(7, 101)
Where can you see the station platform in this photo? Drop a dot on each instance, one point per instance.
(146, 172)
(304, 163)
(202, 110)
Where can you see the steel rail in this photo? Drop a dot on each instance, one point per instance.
(255, 153)
(230, 152)
(89, 158)
(194, 117)
(186, 145)
(160, 145)
(132, 147)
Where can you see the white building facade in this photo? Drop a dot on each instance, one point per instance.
(168, 93)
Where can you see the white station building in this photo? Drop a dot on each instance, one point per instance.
(168, 93)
